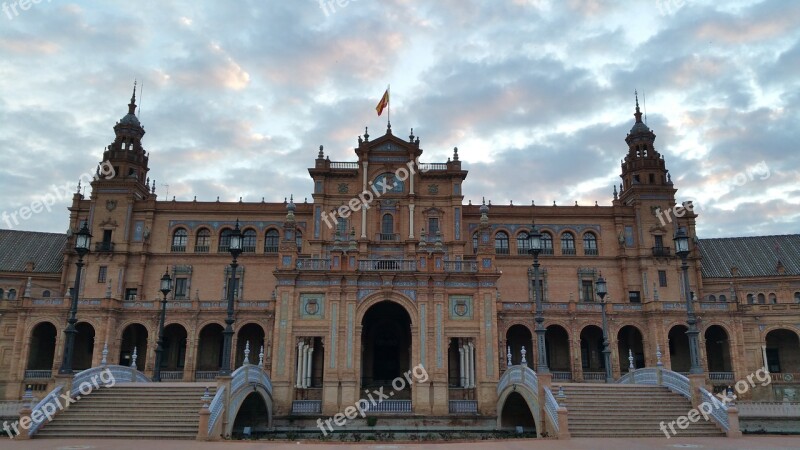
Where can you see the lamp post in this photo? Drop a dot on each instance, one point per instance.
(535, 240)
(166, 287)
(682, 250)
(235, 248)
(83, 239)
(602, 290)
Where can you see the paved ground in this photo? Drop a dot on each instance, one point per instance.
(749, 442)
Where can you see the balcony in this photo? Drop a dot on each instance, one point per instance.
(38, 374)
(344, 165)
(561, 376)
(568, 251)
(271, 249)
(313, 264)
(463, 407)
(388, 237)
(178, 248)
(720, 376)
(103, 247)
(201, 248)
(248, 249)
(171, 375)
(501, 250)
(661, 252)
(523, 251)
(590, 251)
(392, 406)
(205, 375)
(461, 266)
(546, 251)
(305, 407)
(394, 265)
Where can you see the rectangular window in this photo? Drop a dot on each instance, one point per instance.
(634, 297)
(130, 294)
(587, 290)
(662, 278)
(102, 272)
(433, 226)
(180, 287)
(659, 241)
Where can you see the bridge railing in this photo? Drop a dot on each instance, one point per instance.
(51, 402)
(551, 407)
(215, 408)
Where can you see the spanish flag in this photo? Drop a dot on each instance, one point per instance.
(383, 103)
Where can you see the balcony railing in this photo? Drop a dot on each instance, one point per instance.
(395, 265)
(344, 165)
(501, 250)
(523, 251)
(785, 377)
(561, 376)
(178, 248)
(424, 167)
(546, 251)
(461, 266)
(590, 251)
(313, 264)
(661, 251)
(223, 249)
(720, 376)
(38, 374)
(307, 407)
(248, 249)
(463, 407)
(392, 406)
(201, 248)
(203, 375)
(171, 375)
(594, 376)
(103, 247)
(568, 251)
(270, 249)
(388, 237)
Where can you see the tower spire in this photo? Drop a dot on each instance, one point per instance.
(132, 104)
(638, 113)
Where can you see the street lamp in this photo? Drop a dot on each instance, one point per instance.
(235, 248)
(166, 287)
(535, 240)
(682, 250)
(602, 290)
(83, 239)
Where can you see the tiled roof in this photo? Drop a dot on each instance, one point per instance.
(755, 256)
(17, 248)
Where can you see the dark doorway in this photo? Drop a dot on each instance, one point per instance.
(385, 345)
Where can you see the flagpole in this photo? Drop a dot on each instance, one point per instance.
(389, 108)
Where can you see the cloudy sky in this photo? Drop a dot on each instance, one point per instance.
(536, 94)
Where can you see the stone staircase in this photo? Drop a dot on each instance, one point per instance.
(622, 410)
(132, 411)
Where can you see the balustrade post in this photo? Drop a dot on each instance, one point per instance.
(25, 415)
(733, 422)
(205, 416)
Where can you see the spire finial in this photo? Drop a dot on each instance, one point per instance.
(132, 104)
(455, 153)
(411, 136)
(366, 134)
(638, 113)
(321, 154)
(636, 94)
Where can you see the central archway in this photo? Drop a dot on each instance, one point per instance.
(385, 346)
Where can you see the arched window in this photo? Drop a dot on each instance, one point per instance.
(271, 241)
(387, 228)
(388, 183)
(203, 242)
(46, 294)
(179, 239)
(773, 299)
(589, 244)
(547, 243)
(12, 294)
(298, 240)
(224, 240)
(722, 298)
(712, 298)
(750, 299)
(567, 244)
(501, 243)
(523, 244)
(249, 241)
(761, 299)
(475, 242)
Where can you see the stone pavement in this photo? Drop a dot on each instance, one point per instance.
(747, 442)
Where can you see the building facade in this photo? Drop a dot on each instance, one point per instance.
(386, 269)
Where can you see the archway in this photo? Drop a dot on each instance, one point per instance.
(385, 346)
(253, 413)
(84, 347)
(592, 353)
(254, 334)
(679, 349)
(718, 349)
(174, 348)
(783, 351)
(209, 348)
(518, 336)
(556, 340)
(42, 347)
(516, 413)
(134, 336)
(629, 338)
